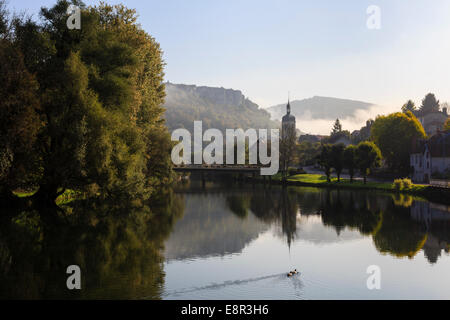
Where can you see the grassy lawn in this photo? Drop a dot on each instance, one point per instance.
(321, 180)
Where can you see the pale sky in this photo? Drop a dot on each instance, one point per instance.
(322, 47)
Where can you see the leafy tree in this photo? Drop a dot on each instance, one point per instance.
(409, 106)
(447, 125)
(394, 135)
(4, 20)
(429, 104)
(307, 153)
(100, 94)
(324, 160)
(19, 118)
(337, 159)
(368, 157)
(350, 160)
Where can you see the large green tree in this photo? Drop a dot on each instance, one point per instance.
(324, 159)
(368, 157)
(447, 125)
(350, 160)
(100, 94)
(337, 159)
(394, 135)
(307, 153)
(19, 118)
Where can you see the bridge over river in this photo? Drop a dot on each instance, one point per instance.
(208, 170)
(219, 169)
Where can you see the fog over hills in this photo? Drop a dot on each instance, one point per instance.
(217, 107)
(229, 109)
(320, 108)
(317, 114)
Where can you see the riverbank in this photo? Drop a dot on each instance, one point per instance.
(317, 180)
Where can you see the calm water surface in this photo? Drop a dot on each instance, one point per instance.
(229, 241)
(238, 242)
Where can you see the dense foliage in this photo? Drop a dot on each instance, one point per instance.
(82, 109)
(365, 157)
(394, 135)
(368, 157)
(447, 125)
(307, 153)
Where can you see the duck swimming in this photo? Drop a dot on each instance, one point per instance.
(291, 273)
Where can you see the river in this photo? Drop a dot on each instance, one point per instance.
(231, 241)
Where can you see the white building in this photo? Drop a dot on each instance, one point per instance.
(431, 158)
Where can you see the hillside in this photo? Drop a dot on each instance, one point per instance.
(320, 108)
(217, 107)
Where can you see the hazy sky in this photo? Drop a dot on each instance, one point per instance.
(267, 48)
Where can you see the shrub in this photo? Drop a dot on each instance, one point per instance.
(403, 200)
(402, 184)
(398, 184)
(407, 184)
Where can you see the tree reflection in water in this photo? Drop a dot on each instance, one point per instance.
(117, 246)
(387, 219)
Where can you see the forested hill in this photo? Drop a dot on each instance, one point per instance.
(217, 107)
(320, 108)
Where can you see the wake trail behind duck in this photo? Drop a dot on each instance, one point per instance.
(224, 284)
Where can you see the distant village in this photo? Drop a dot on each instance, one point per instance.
(429, 157)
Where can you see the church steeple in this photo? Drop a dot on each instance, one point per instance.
(288, 107)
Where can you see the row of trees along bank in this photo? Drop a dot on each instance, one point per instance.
(363, 157)
(391, 140)
(81, 109)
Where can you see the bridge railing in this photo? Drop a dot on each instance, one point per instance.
(220, 166)
(440, 183)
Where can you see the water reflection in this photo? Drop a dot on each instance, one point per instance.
(435, 218)
(122, 248)
(211, 228)
(117, 246)
(221, 220)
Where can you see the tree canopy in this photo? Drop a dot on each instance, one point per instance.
(368, 157)
(447, 125)
(350, 160)
(337, 159)
(394, 135)
(93, 99)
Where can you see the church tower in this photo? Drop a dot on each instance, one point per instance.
(288, 122)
